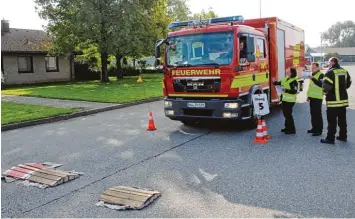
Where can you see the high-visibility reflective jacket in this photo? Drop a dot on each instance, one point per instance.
(290, 84)
(337, 80)
(315, 86)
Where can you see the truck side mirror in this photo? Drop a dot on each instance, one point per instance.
(157, 50)
(156, 63)
(251, 57)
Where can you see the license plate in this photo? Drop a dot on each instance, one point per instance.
(195, 84)
(196, 105)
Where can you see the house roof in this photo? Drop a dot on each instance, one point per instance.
(309, 49)
(346, 51)
(24, 40)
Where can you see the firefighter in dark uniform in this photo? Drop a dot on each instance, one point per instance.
(315, 98)
(288, 98)
(336, 82)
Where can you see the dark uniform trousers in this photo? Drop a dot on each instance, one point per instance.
(336, 116)
(287, 111)
(316, 115)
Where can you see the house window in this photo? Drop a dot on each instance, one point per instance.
(25, 64)
(52, 64)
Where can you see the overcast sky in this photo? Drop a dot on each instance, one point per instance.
(314, 16)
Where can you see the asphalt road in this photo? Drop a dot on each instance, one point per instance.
(201, 172)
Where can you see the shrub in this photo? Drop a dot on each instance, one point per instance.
(84, 73)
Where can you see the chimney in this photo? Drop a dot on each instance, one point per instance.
(5, 26)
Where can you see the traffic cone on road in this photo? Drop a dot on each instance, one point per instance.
(151, 125)
(260, 139)
(266, 135)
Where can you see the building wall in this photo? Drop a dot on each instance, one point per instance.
(39, 75)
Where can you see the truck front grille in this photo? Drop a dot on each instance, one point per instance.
(200, 85)
(198, 112)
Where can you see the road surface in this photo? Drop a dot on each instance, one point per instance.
(201, 171)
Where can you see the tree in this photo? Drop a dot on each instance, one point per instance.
(90, 21)
(330, 55)
(178, 10)
(204, 15)
(141, 25)
(340, 34)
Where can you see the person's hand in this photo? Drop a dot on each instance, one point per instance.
(311, 77)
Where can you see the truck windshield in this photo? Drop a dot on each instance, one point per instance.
(200, 49)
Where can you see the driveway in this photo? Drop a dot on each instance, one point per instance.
(214, 171)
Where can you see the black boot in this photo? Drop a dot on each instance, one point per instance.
(326, 141)
(342, 139)
(290, 132)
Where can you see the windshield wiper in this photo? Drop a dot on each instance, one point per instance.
(211, 64)
(181, 65)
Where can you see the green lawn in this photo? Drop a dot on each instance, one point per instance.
(15, 112)
(117, 91)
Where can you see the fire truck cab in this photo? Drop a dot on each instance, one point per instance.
(213, 67)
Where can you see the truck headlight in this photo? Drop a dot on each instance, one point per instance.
(169, 112)
(168, 103)
(230, 115)
(231, 105)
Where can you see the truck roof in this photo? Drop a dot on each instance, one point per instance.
(226, 26)
(263, 21)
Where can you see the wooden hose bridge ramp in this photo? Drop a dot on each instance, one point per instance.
(40, 174)
(123, 198)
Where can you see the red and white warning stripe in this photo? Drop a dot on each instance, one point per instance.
(23, 171)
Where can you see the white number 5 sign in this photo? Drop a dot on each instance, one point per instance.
(261, 104)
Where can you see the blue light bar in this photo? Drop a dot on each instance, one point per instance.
(176, 24)
(227, 19)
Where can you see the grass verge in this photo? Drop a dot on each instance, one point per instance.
(116, 91)
(16, 112)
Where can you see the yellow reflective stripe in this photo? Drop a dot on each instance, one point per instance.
(336, 71)
(328, 79)
(289, 97)
(337, 102)
(247, 80)
(296, 54)
(163, 83)
(338, 105)
(337, 94)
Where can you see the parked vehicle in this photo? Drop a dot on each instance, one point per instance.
(213, 67)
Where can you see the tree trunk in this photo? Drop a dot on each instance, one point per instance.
(119, 66)
(103, 47)
(104, 73)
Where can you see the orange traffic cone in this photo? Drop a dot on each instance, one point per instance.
(151, 125)
(266, 135)
(260, 139)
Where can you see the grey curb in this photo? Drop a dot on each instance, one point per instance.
(74, 115)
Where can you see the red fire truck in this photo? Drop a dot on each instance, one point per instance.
(213, 67)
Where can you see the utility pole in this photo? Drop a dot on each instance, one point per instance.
(321, 48)
(260, 7)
